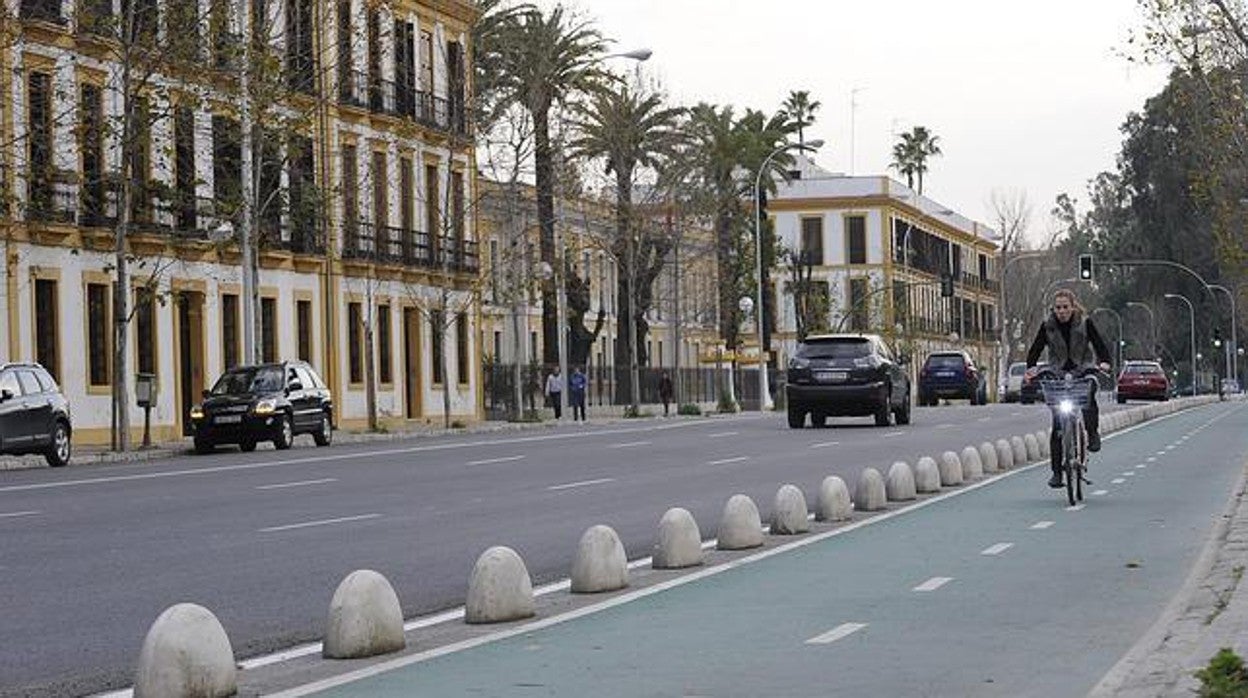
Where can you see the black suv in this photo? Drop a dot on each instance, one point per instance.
(852, 375)
(268, 402)
(34, 415)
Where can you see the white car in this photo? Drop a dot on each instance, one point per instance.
(1013, 388)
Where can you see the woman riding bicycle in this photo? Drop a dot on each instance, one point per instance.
(1071, 338)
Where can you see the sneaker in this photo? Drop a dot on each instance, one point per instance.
(1094, 442)
(1056, 481)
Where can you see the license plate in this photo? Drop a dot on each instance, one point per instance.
(944, 374)
(831, 376)
(229, 419)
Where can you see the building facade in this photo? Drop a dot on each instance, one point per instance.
(360, 199)
(877, 252)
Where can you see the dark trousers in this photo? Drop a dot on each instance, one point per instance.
(578, 405)
(556, 401)
(1091, 422)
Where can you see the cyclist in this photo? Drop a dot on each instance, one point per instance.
(1071, 339)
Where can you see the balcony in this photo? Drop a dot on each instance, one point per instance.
(359, 89)
(51, 205)
(42, 11)
(411, 248)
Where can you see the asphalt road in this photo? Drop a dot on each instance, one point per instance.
(90, 556)
(999, 590)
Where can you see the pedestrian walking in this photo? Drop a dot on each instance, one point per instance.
(577, 383)
(665, 391)
(554, 392)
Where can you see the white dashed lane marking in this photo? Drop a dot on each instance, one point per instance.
(839, 632)
(1100, 493)
(1117, 481)
(284, 485)
(487, 461)
(996, 549)
(324, 522)
(721, 434)
(582, 483)
(15, 514)
(894, 433)
(630, 444)
(722, 461)
(825, 444)
(1041, 525)
(933, 584)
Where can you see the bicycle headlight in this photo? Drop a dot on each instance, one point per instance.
(1065, 407)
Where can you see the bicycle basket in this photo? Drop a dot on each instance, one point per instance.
(1056, 392)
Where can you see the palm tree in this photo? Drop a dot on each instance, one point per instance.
(631, 129)
(800, 112)
(547, 59)
(911, 153)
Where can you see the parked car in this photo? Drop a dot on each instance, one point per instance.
(1142, 380)
(1030, 392)
(1230, 386)
(951, 374)
(34, 415)
(1012, 390)
(846, 375)
(266, 402)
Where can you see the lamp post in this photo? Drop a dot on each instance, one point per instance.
(1111, 311)
(1230, 350)
(1191, 310)
(764, 395)
(1152, 327)
(746, 305)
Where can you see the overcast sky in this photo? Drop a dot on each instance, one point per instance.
(1024, 96)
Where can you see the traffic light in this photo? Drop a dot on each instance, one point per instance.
(946, 285)
(1217, 337)
(1085, 267)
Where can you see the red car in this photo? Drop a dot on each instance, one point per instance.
(1142, 380)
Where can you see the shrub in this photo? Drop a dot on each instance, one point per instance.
(631, 413)
(1224, 677)
(689, 409)
(726, 405)
(457, 424)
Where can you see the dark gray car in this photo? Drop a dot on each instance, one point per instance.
(846, 375)
(34, 415)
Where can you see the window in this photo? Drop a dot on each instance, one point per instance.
(856, 236)
(91, 137)
(498, 346)
(45, 10)
(304, 218)
(405, 66)
(30, 386)
(8, 381)
(381, 204)
(46, 328)
(426, 62)
(494, 270)
(407, 214)
(901, 302)
(268, 212)
(355, 359)
(983, 267)
(300, 60)
(184, 167)
(46, 384)
(344, 52)
(39, 92)
(97, 335)
(384, 372)
(461, 348)
(376, 100)
(350, 197)
(140, 163)
(229, 330)
(227, 164)
(145, 16)
(224, 42)
(268, 329)
(145, 330)
(455, 84)
(431, 202)
(457, 209)
(303, 320)
(859, 312)
(812, 240)
(436, 330)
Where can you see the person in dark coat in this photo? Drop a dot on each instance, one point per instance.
(577, 383)
(665, 391)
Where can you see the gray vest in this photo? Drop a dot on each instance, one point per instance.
(1079, 351)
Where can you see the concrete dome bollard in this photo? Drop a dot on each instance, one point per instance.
(869, 494)
(899, 487)
(1042, 438)
(988, 456)
(500, 589)
(600, 563)
(1032, 445)
(186, 653)
(365, 618)
(926, 476)
(1019, 449)
(1005, 455)
(740, 526)
(789, 514)
(950, 469)
(972, 466)
(833, 503)
(680, 542)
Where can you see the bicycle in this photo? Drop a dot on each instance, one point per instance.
(1066, 397)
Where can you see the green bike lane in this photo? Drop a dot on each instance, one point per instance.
(994, 589)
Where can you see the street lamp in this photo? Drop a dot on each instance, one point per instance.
(1152, 327)
(1192, 317)
(546, 272)
(1230, 350)
(764, 395)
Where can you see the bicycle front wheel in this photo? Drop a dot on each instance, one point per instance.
(1068, 462)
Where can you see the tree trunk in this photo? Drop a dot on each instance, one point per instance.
(544, 176)
(370, 375)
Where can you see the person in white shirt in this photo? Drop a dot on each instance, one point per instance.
(554, 392)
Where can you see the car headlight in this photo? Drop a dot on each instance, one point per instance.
(799, 363)
(266, 406)
(197, 412)
(1065, 407)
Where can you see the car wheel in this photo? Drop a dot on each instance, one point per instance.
(818, 419)
(247, 446)
(324, 433)
(1122, 401)
(285, 434)
(58, 453)
(204, 446)
(884, 415)
(797, 418)
(902, 414)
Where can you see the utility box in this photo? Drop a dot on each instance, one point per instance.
(145, 389)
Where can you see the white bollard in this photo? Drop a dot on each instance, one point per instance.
(1042, 438)
(789, 514)
(833, 503)
(869, 495)
(186, 653)
(1032, 446)
(950, 469)
(600, 563)
(680, 541)
(988, 456)
(500, 588)
(1005, 455)
(740, 526)
(972, 466)
(900, 485)
(926, 476)
(365, 618)
(1019, 450)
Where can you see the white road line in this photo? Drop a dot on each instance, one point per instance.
(1077, 507)
(503, 459)
(943, 426)
(1041, 525)
(1141, 466)
(721, 434)
(1117, 481)
(1100, 493)
(325, 522)
(841, 631)
(284, 485)
(933, 584)
(1170, 448)
(1152, 460)
(1161, 453)
(1129, 473)
(630, 444)
(825, 444)
(738, 459)
(894, 433)
(15, 514)
(996, 549)
(1016, 414)
(582, 483)
(984, 419)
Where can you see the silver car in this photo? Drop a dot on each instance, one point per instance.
(1012, 390)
